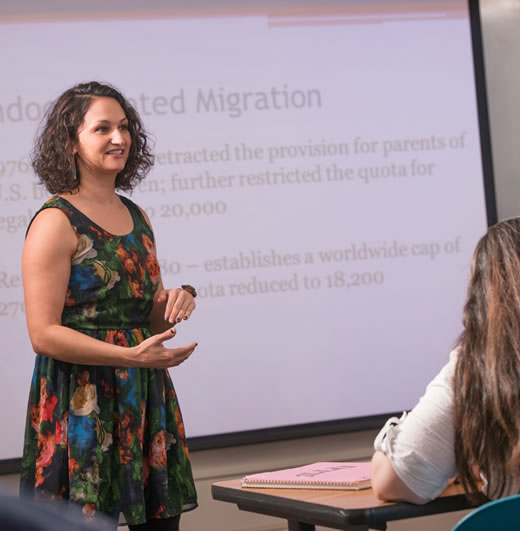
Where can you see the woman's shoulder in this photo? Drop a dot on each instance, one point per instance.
(131, 204)
(55, 212)
(443, 381)
(55, 204)
(137, 210)
(58, 202)
(51, 228)
(448, 370)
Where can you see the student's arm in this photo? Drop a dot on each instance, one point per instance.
(415, 455)
(46, 261)
(387, 485)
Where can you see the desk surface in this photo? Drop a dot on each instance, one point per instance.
(339, 509)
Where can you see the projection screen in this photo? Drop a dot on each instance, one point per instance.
(319, 178)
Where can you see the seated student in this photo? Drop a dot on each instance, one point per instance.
(467, 424)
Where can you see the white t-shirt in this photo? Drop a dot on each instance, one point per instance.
(421, 444)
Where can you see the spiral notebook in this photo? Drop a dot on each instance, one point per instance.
(349, 476)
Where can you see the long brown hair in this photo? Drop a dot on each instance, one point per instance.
(487, 376)
(52, 156)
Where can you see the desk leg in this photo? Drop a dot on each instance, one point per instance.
(294, 525)
(377, 527)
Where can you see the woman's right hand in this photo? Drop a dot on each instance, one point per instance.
(152, 354)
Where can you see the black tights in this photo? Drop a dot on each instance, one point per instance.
(158, 524)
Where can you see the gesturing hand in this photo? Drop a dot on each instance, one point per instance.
(179, 304)
(152, 354)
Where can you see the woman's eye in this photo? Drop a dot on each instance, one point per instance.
(123, 127)
(101, 129)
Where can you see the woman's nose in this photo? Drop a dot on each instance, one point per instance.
(117, 137)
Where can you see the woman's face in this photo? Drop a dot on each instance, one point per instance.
(103, 138)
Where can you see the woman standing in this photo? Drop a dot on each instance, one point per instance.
(104, 427)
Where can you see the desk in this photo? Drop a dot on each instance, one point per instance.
(339, 509)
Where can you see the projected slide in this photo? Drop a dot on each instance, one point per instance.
(318, 178)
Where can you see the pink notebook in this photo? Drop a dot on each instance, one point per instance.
(351, 476)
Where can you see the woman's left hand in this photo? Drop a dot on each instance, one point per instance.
(179, 304)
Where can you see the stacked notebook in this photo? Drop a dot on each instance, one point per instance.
(349, 476)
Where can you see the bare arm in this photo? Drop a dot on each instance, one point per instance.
(386, 484)
(46, 260)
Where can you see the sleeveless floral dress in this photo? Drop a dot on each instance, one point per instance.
(110, 439)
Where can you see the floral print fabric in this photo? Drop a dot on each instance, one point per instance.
(109, 439)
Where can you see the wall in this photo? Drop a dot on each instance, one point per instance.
(500, 22)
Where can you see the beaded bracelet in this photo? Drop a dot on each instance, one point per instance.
(190, 289)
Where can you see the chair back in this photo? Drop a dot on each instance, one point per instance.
(498, 515)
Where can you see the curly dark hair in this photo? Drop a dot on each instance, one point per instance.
(52, 157)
